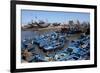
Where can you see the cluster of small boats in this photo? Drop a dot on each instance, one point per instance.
(78, 49)
(50, 41)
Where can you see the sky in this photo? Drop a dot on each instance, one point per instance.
(52, 16)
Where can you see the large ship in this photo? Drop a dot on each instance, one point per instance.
(37, 24)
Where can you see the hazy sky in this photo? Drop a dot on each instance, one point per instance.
(52, 16)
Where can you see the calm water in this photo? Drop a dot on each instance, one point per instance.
(28, 34)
